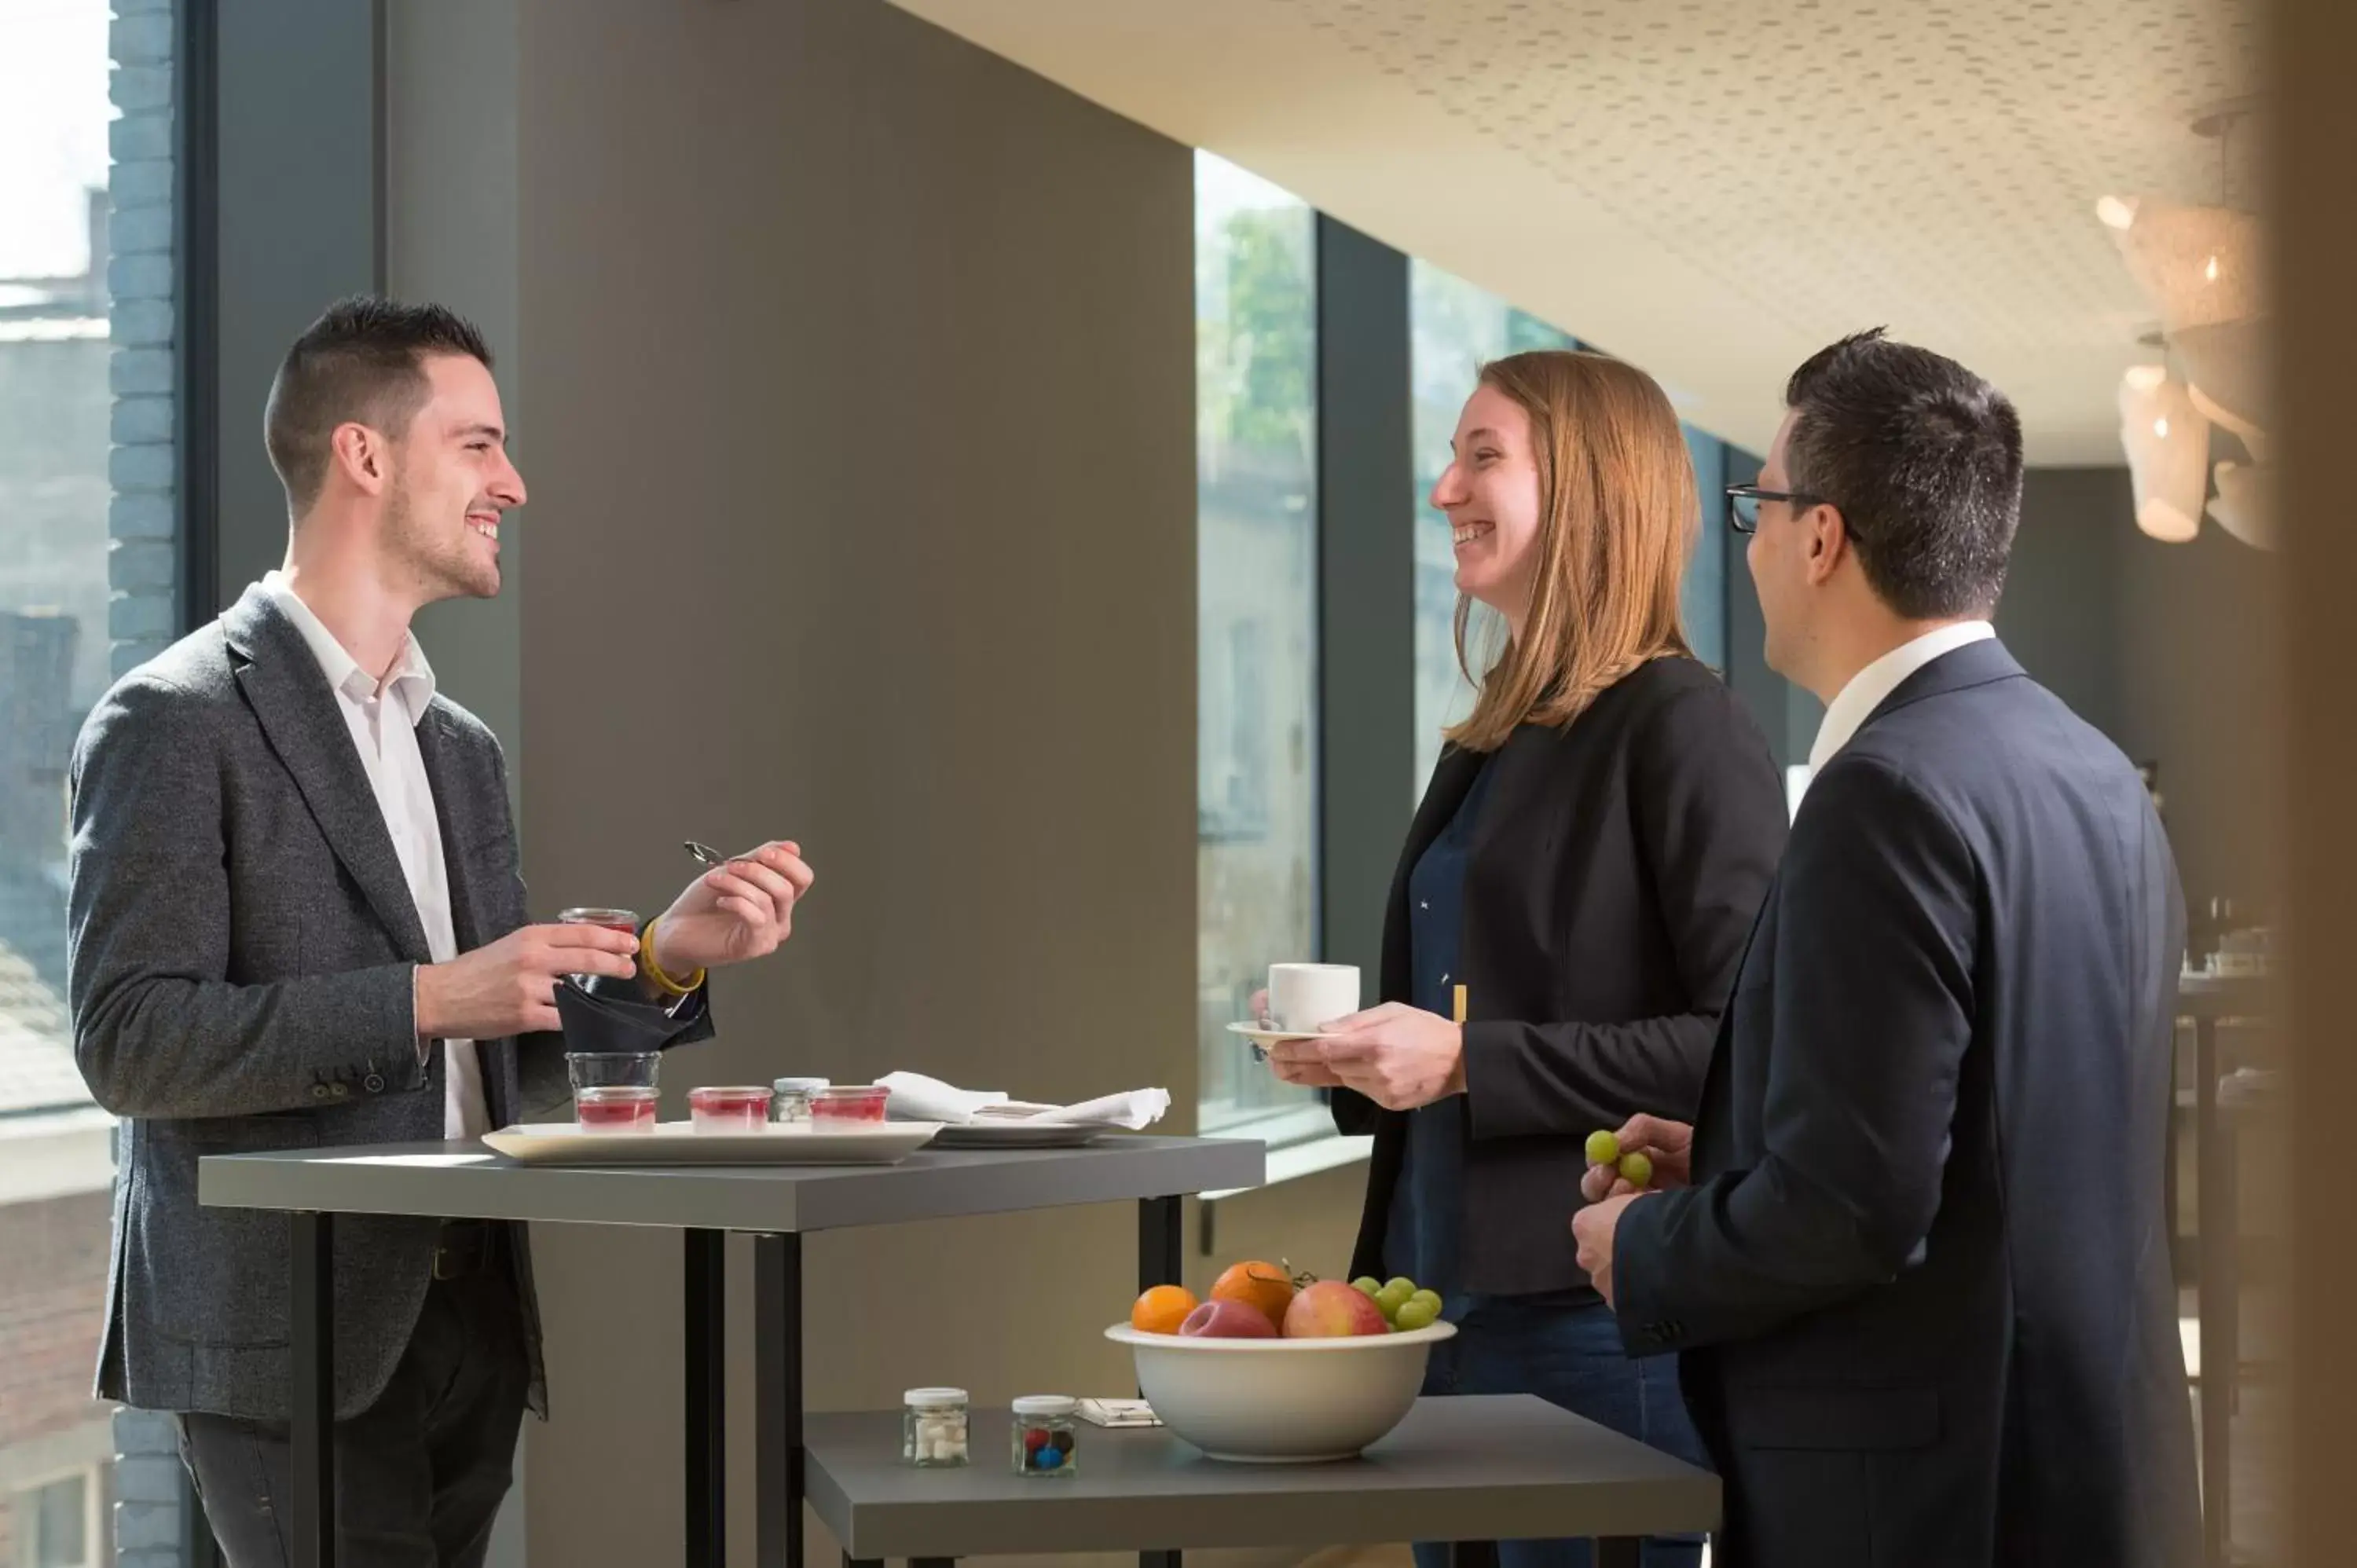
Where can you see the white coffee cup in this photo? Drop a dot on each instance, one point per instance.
(1303, 998)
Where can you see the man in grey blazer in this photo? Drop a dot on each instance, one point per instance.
(298, 921)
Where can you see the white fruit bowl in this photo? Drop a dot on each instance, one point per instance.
(1281, 1402)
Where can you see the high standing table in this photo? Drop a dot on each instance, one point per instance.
(2209, 1000)
(776, 1203)
(1467, 1467)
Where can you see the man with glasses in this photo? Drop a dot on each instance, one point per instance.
(1914, 1252)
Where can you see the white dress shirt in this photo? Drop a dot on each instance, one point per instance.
(1855, 702)
(396, 771)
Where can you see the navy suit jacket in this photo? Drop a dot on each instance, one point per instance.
(1922, 1284)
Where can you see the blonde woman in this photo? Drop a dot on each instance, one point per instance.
(1586, 863)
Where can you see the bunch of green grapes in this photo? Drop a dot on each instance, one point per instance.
(1404, 1307)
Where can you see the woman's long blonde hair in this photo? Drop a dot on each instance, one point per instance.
(1618, 519)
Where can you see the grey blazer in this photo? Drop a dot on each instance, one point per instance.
(243, 942)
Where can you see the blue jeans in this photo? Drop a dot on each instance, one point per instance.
(1568, 1356)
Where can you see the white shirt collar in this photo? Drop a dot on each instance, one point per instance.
(1867, 690)
(411, 679)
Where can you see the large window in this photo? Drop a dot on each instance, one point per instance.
(1257, 709)
(86, 572)
(1454, 327)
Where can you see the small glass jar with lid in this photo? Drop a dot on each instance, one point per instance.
(1044, 1429)
(790, 1099)
(933, 1428)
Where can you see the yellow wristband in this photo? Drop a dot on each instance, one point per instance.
(663, 982)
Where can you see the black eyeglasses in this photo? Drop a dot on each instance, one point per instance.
(1743, 504)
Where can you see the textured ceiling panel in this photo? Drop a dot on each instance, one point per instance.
(1712, 188)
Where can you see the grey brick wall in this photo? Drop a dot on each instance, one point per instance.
(152, 1500)
(142, 557)
(151, 1496)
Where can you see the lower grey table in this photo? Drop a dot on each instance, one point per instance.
(776, 1203)
(1464, 1468)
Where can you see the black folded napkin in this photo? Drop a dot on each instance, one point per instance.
(610, 1015)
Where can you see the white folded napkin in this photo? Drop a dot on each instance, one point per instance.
(1133, 1108)
(916, 1098)
(1118, 1412)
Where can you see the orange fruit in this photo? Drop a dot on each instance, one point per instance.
(1264, 1285)
(1162, 1309)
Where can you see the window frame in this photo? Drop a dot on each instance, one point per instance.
(24, 1510)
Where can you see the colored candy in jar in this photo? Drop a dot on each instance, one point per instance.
(1044, 1435)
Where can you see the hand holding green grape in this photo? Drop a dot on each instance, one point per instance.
(1647, 1154)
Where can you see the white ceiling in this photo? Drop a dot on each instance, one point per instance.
(1712, 188)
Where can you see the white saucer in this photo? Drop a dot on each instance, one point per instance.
(1269, 1034)
(1264, 1036)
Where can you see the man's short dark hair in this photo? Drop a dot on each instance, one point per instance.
(1923, 458)
(363, 362)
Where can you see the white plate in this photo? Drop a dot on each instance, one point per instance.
(678, 1143)
(1022, 1135)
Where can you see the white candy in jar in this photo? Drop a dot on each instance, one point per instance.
(933, 1427)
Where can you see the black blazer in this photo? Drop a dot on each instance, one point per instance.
(1924, 1278)
(1618, 865)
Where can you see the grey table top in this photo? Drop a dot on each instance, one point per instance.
(1465, 1468)
(467, 1181)
(2203, 994)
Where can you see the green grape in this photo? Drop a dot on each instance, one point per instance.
(1366, 1286)
(1636, 1170)
(1432, 1296)
(1402, 1283)
(1603, 1149)
(1391, 1298)
(1417, 1314)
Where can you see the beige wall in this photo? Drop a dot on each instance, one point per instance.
(2165, 647)
(860, 375)
(450, 237)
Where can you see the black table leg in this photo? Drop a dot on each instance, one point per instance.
(851, 1562)
(1160, 1261)
(2214, 1223)
(777, 1400)
(707, 1378)
(932, 1561)
(2168, 1175)
(1473, 1554)
(311, 1311)
(1616, 1551)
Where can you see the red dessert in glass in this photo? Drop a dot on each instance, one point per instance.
(849, 1103)
(615, 1108)
(732, 1110)
(623, 921)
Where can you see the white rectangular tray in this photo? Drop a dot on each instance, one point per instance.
(678, 1143)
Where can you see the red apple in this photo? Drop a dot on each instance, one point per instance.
(1332, 1310)
(1227, 1320)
